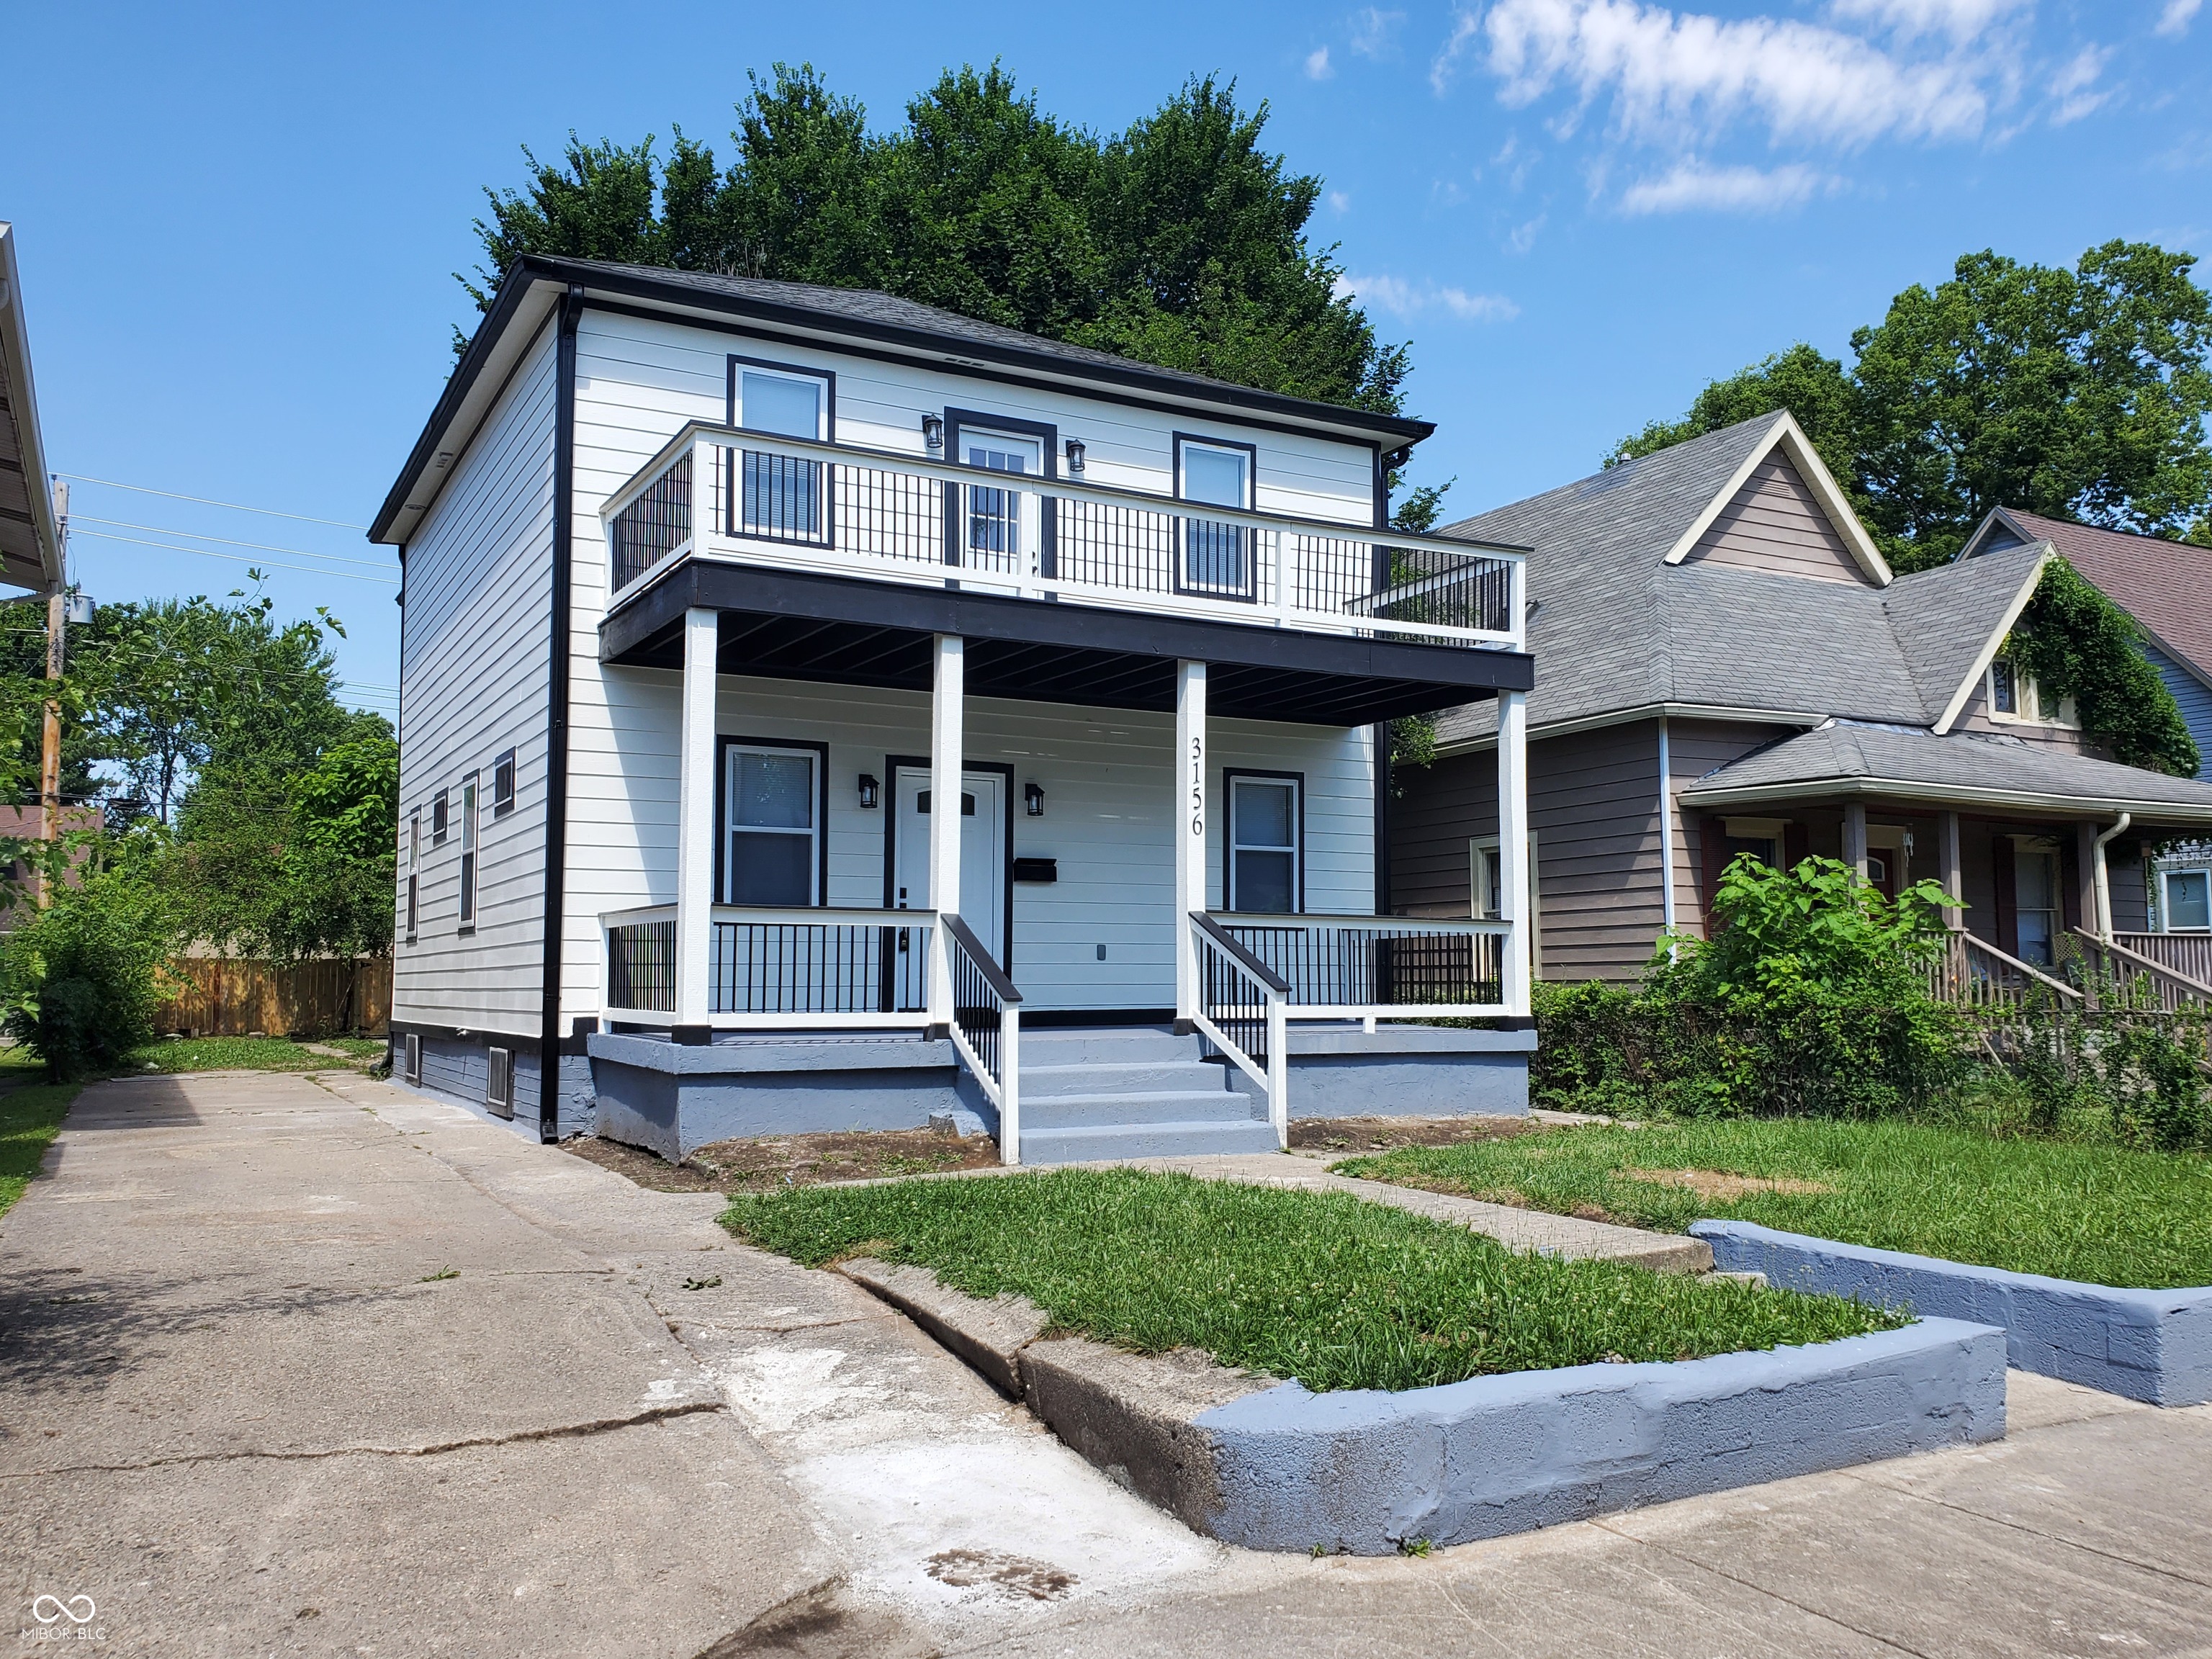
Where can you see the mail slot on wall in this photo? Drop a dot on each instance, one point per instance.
(1036, 869)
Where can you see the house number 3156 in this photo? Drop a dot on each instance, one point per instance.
(1198, 786)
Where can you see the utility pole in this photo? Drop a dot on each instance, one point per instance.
(50, 756)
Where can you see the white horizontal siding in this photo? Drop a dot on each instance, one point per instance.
(473, 678)
(1107, 776)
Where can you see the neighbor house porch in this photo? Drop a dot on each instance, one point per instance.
(1155, 921)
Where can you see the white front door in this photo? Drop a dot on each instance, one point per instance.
(1002, 525)
(983, 852)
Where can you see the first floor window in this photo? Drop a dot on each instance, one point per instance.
(771, 826)
(2187, 899)
(2036, 892)
(468, 850)
(1263, 845)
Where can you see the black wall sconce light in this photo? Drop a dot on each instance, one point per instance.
(1075, 456)
(871, 791)
(1033, 799)
(933, 434)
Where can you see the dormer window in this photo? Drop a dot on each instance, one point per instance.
(2017, 699)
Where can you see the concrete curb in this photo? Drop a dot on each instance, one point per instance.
(1269, 1465)
(2152, 1345)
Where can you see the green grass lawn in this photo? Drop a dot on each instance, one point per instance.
(30, 1113)
(1320, 1286)
(2104, 1214)
(239, 1054)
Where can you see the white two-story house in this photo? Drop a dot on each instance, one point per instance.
(717, 590)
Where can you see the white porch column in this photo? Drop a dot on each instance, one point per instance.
(1513, 847)
(1189, 832)
(1855, 841)
(1953, 874)
(694, 823)
(947, 695)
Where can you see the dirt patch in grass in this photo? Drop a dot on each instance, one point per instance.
(1721, 1187)
(1383, 1135)
(767, 1162)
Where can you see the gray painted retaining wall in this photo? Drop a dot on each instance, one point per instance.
(1363, 1470)
(458, 1069)
(764, 1087)
(2153, 1346)
(1404, 1071)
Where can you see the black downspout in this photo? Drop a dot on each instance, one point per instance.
(556, 713)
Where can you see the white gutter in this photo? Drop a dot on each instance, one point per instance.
(1686, 711)
(2072, 806)
(2104, 877)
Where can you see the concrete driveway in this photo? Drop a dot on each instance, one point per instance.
(311, 1366)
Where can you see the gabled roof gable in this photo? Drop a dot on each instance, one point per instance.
(1788, 438)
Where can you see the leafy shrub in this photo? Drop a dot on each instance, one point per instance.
(79, 981)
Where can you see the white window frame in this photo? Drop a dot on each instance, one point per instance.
(2026, 693)
(1230, 846)
(1482, 875)
(471, 853)
(731, 829)
(2165, 897)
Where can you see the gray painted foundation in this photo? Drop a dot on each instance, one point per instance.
(458, 1069)
(2153, 1346)
(673, 1098)
(1405, 1071)
(1364, 1471)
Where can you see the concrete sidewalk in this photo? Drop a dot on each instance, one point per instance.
(245, 1415)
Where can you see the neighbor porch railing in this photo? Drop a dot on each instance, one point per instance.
(717, 493)
(2111, 973)
(2189, 955)
(777, 969)
(987, 1030)
(1972, 973)
(1259, 973)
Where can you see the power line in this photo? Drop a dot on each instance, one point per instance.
(234, 506)
(240, 558)
(76, 519)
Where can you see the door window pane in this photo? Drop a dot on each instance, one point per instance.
(2189, 898)
(1263, 857)
(769, 828)
(994, 516)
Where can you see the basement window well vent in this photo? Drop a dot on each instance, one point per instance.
(410, 1057)
(499, 1082)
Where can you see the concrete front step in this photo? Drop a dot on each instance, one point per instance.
(1169, 1139)
(1102, 1045)
(1041, 1080)
(1135, 1107)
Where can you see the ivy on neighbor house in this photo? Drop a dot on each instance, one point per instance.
(2077, 643)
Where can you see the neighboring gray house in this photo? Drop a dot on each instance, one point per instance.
(1726, 664)
(2167, 587)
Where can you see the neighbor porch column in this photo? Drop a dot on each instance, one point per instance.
(1954, 879)
(1513, 847)
(694, 829)
(2087, 856)
(1855, 841)
(947, 695)
(1189, 832)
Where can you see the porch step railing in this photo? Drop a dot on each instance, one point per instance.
(715, 492)
(2189, 955)
(811, 969)
(1972, 973)
(1368, 968)
(987, 1030)
(2112, 974)
(1244, 1008)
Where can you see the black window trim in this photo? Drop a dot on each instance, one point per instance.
(739, 362)
(501, 804)
(1250, 595)
(1230, 774)
(723, 744)
(440, 818)
(956, 420)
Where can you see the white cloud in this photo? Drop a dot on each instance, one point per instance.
(1317, 67)
(1691, 186)
(1961, 20)
(2071, 85)
(1339, 202)
(1406, 300)
(2173, 21)
(1674, 76)
(1466, 35)
(1374, 31)
(1524, 236)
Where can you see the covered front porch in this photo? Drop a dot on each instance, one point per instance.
(1154, 924)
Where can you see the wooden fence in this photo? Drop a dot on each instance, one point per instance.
(221, 996)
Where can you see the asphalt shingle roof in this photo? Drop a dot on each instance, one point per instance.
(1995, 768)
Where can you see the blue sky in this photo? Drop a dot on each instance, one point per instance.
(237, 228)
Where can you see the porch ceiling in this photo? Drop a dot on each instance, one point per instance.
(796, 625)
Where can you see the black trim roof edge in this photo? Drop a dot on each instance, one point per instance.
(533, 268)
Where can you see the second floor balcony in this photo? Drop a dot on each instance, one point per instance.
(721, 495)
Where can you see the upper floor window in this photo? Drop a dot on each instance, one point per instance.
(779, 496)
(2015, 697)
(772, 825)
(502, 785)
(468, 850)
(1262, 869)
(1215, 558)
(438, 819)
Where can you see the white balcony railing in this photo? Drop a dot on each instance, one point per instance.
(715, 493)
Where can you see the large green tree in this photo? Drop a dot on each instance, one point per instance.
(2081, 393)
(1180, 241)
